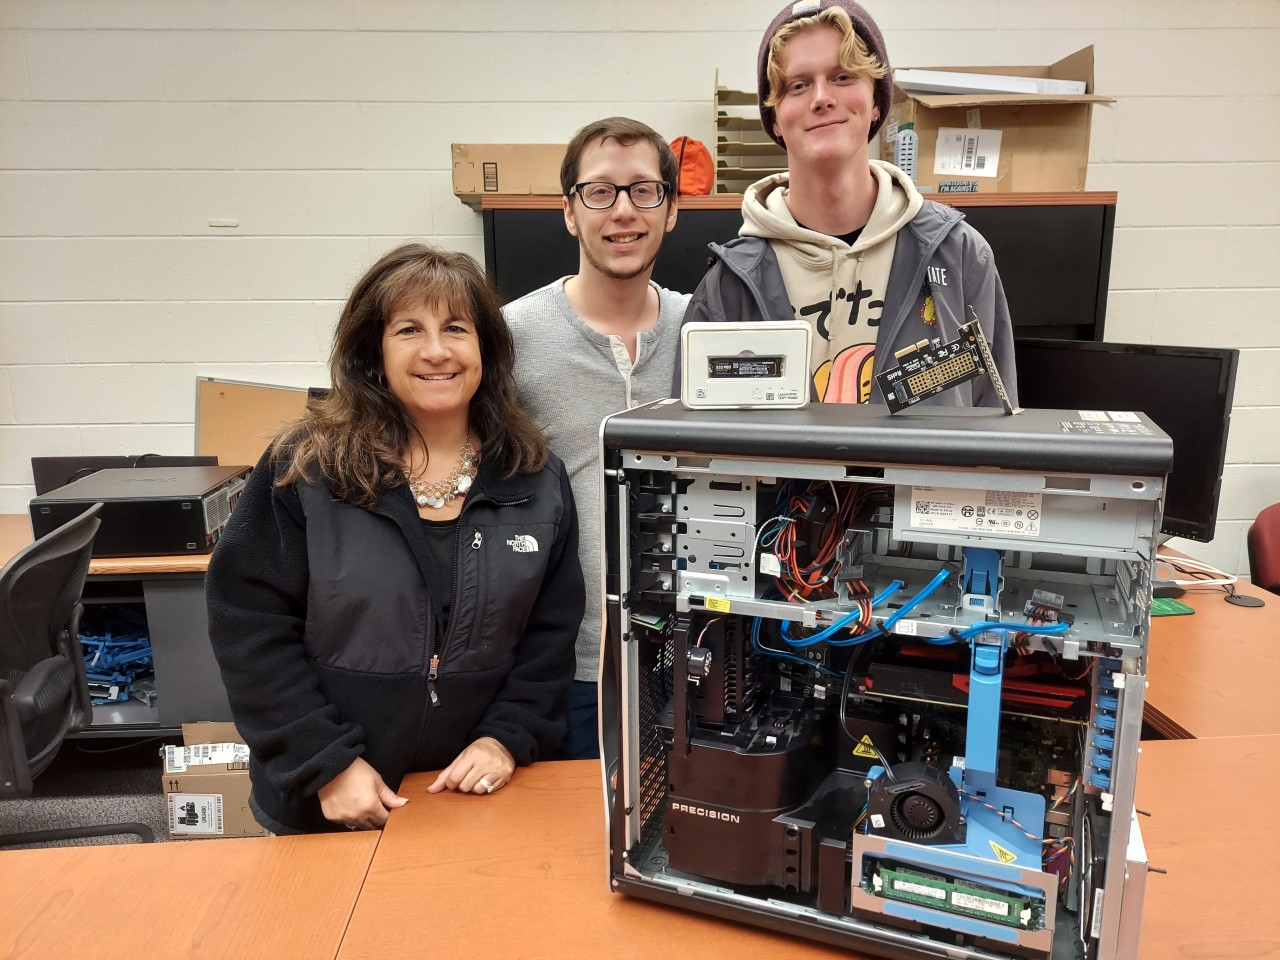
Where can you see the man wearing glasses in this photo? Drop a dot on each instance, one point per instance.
(600, 341)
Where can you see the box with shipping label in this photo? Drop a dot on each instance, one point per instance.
(982, 142)
(206, 784)
(523, 168)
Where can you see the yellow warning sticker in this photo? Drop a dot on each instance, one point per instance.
(865, 749)
(1003, 855)
(717, 604)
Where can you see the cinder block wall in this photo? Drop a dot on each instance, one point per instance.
(323, 128)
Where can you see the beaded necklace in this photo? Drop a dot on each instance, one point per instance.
(436, 493)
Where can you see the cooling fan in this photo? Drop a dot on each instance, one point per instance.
(916, 802)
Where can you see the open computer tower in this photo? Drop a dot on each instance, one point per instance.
(878, 681)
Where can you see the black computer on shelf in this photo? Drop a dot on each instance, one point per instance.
(50, 473)
(147, 511)
(1187, 391)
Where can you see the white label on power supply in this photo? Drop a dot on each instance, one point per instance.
(1095, 925)
(965, 152)
(195, 813)
(991, 512)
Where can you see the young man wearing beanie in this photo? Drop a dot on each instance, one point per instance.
(600, 341)
(842, 241)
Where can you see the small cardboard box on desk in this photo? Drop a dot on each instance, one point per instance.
(206, 784)
(983, 142)
(523, 168)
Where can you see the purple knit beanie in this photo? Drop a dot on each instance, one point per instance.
(863, 26)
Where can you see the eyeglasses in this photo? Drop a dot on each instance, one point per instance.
(644, 194)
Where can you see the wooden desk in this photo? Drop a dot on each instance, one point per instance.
(1223, 863)
(522, 873)
(15, 533)
(171, 589)
(1216, 672)
(206, 899)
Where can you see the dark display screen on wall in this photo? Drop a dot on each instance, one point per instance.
(1054, 260)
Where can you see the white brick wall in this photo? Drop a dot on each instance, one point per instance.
(323, 127)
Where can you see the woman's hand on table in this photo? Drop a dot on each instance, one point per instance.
(482, 767)
(358, 799)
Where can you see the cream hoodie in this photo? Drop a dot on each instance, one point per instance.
(837, 288)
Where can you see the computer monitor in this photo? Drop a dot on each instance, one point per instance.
(1187, 391)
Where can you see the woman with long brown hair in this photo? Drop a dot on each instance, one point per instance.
(398, 588)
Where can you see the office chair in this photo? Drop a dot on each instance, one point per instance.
(43, 693)
(1264, 549)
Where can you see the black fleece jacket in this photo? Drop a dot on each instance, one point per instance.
(325, 621)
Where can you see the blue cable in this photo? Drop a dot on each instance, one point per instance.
(841, 623)
(915, 601)
(884, 595)
(968, 633)
(772, 535)
(907, 607)
(769, 651)
(1049, 630)
(943, 641)
(973, 630)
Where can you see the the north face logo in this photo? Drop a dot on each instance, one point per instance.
(523, 544)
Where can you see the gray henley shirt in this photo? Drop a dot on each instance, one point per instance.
(570, 378)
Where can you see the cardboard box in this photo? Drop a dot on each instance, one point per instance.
(524, 168)
(206, 784)
(999, 142)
